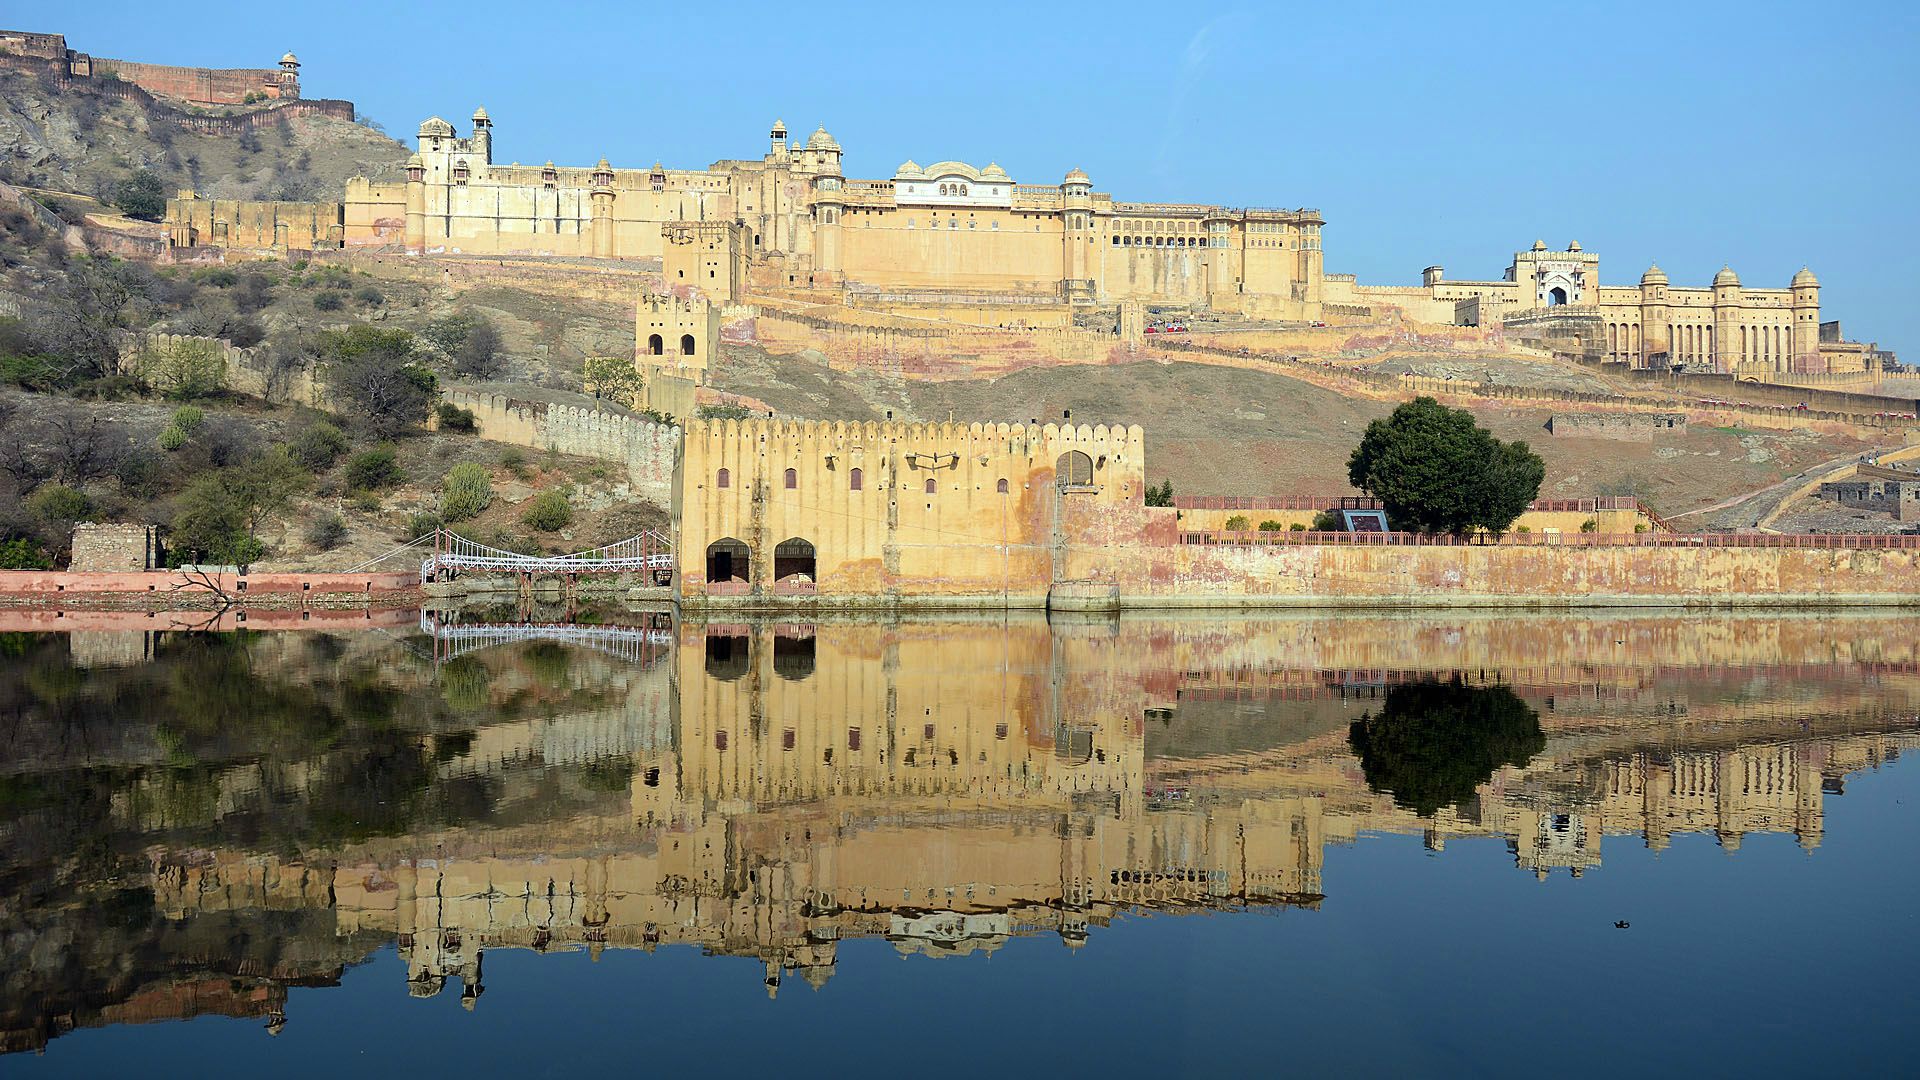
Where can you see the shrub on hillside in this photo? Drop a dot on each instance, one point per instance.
(60, 506)
(467, 491)
(371, 470)
(327, 532)
(184, 369)
(318, 447)
(1270, 525)
(1237, 523)
(21, 553)
(419, 525)
(454, 418)
(548, 511)
(329, 301)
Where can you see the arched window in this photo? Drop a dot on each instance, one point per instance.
(931, 486)
(728, 560)
(686, 344)
(791, 480)
(855, 480)
(1073, 469)
(793, 556)
(655, 346)
(1001, 487)
(722, 479)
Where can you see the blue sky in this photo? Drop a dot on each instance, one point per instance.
(1763, 135)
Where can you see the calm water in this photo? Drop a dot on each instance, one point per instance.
(1429, 845)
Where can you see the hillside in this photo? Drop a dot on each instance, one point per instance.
(77, 139)
(1228, 431)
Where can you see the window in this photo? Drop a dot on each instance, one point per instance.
(686, 344)
(656, 345)
(853, 739)
(855, 480)
(719, 740)
(791, 480)
(723, 479)
(931, 486)
(1073, 469)
(1001, 486)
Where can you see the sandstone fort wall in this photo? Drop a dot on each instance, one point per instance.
(648, 450)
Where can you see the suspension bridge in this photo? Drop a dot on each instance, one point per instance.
(453, 554)
(634, 644)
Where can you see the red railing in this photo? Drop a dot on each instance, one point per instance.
(1841, 541)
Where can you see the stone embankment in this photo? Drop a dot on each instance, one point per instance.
(174, 590)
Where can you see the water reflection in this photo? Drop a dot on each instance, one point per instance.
(193, 822)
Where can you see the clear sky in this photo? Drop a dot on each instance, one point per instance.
(1762, 135)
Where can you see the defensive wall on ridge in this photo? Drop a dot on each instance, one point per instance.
(648, 450)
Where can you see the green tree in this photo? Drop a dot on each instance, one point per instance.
(373, 375)
(185, 369)
(1434, 470)
(1237, 523)
(1434, 743)
(218, 516)
(1162, 495)
(614, 378)
(142, 196)
(467, 491)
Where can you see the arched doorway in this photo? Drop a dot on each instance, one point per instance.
(794, 557)
(655, 346)
(793, 653)
(686, 344)
(1073, 469)
(728, 560)
(1556, 296)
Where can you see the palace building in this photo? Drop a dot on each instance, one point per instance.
(946, 226)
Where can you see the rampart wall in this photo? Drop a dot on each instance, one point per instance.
(269, 113)
(648, 450)
(1132, 552)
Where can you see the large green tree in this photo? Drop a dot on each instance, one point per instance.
(374, 376)
(1434, 743)
(1436, 471)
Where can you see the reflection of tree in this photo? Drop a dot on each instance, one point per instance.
(1433, 743)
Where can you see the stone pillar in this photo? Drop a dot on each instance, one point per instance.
(1729, 309)
(1804, 351)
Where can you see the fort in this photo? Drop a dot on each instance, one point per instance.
(191, 85)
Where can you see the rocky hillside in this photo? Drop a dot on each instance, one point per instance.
(76, 139)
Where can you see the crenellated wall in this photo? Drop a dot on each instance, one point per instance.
(647, 449)
(893, 512)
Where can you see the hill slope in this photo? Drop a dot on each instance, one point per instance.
(74, 138)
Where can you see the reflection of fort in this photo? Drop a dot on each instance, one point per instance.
(949, 786)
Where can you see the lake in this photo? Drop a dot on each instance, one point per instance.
(531, 843)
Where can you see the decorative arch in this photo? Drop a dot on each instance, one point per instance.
(856, 480)
(729, 560)
(795, 556)
(655, 345)
(790, 480)
(932, 486)
(686, 345)
(723, 479)
(1073, 469)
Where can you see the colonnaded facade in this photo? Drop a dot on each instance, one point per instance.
(1723, 327)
